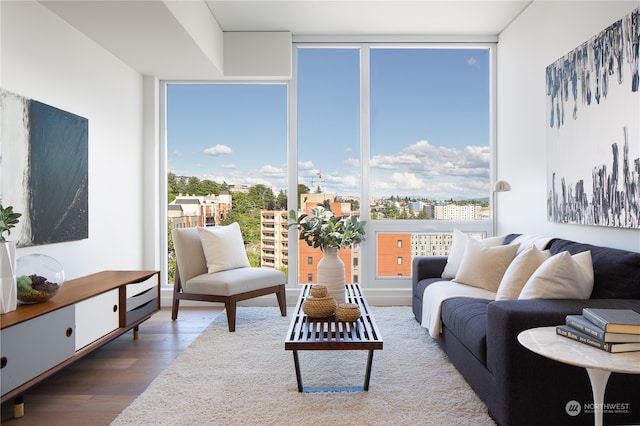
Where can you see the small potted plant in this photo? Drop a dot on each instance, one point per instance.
(8, 297)
(8, 220)
(328, 232)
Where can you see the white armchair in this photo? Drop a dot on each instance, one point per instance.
(229, 286)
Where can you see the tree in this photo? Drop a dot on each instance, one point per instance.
(208, 187)
(261, 198)
(171, 267)
(281, 201)
(193, 185)
(247, 217)
(302, 189)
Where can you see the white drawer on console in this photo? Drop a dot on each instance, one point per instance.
(32, 347)
(96, 317)
(137, 288)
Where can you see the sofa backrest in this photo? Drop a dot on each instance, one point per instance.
(616, 272)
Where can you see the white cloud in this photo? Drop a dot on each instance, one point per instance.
(269, 170)
(177, 154)
(352, 162)
(407, 180)
(305, 165)
(218, 150)
(472, 61)
(228, 166)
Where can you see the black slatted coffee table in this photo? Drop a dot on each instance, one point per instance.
(313, 334)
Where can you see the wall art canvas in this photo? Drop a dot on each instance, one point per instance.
(44, 154)
(593, 132)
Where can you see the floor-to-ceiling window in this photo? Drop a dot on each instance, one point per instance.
(398, 134)
(421, 166)
(328, 142)
(227, 162)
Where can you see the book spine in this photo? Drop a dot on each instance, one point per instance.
(595, 319)
(579, 337)
(585, 327)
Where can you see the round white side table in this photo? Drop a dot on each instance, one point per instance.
(598, 363)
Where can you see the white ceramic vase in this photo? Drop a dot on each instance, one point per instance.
(8, 298)
(331, 274)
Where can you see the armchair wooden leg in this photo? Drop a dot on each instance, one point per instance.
(174, 309)
(230, 306)
(282, 300)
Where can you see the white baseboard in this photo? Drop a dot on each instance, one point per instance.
(375, 297)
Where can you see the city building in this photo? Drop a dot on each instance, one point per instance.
(187, 211)
(274, 239)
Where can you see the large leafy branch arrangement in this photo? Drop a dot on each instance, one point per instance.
(322, 229)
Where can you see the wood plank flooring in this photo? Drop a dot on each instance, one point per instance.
(96, 388)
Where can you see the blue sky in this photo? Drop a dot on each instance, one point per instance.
(429, 125)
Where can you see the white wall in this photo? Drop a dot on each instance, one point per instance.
(45, 59)
(544, 32)
(258, 55)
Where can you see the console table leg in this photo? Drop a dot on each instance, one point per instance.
(296, 362)
(135, 332)
(599, 379)
(18, 407)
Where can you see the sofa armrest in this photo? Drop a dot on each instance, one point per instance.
(507, 318)
(427, 267)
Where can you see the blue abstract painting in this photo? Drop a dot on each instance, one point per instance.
(45, 160)
(593, 130)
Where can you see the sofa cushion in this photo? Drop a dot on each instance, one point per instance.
(562, 276)
(519, 272)
(483, 266)
(616, 272)
(467, 319)
(458, 247)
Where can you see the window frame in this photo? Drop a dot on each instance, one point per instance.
(369, 250)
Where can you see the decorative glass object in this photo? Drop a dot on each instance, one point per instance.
(39, 278)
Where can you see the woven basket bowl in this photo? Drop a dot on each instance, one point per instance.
(347, 312)
(319, 290)
(319, 307)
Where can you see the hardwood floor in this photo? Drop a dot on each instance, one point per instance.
(96, 388)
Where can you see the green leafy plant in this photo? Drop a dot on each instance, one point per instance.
(8, 220)
(322, 229)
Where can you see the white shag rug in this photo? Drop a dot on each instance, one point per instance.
(247, 377)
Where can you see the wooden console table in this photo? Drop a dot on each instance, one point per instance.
(42, 338)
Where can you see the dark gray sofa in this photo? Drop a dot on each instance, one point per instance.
(518, 386)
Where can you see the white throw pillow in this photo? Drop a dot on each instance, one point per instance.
(519, 272)
(562, 276)
(483, 266)
(458, 246)
(223, 247)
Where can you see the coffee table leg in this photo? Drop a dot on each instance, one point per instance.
(297, 365)
(367, 375)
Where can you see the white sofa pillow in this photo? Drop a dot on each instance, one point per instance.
(458, 247)
(519, 272)
(562, 276)
(223, 247)
(484, 266)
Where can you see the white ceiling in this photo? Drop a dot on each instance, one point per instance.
(146, 35)
(365, 17)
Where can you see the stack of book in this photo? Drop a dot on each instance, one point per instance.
(612, 330)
